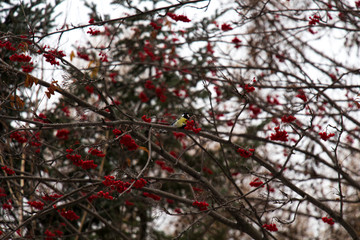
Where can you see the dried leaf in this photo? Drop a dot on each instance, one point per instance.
(167, 23)
(95, 70)
(145, 149)
(30, 80)
(24, 46)
(72, 55)
(90, 63)
(16, 102)
(153, 34)
(51, 90)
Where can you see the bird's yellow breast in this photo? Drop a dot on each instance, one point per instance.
(180, 122)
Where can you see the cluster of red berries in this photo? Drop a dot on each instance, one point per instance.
(96, 152)
(314, 19)
(207, 170)
(190, 126)
(236, 41)
(324, 136)
(181, 18)
(288, 119)
(151, 195)
(52, 55)
(20, 58)
(279, 135)
(69, 214)
(201, 205)
(226, 27)
(77, 161)
(160, 93)
(248, 88)
(245, 153)
(52, 235)
(301, 95)
(164, 167)
(62, 134)
(51, 197)
(105, 195)
(121, 186)
(329, 221)
(19, 136)
(36, 204)
(93, 32)
(155, 26)
(256, 183)
(7, 45)
(8, 170)
(148, 120)
(127, 141)
(270, 227)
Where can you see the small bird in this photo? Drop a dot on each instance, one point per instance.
(181, 122)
